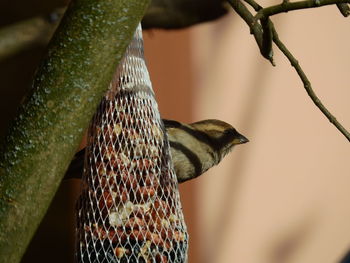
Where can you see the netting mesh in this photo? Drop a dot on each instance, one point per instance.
(129, 210)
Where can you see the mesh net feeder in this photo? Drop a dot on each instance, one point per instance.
(129, 210)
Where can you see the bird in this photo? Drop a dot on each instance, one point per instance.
(194, 147)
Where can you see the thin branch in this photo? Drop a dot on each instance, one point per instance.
(344, 9)
(300, 72)
(287, 6)
(255, 28)
(253, 4)
(307, 84)
(267, 38)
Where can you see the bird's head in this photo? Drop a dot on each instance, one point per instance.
(221, 135)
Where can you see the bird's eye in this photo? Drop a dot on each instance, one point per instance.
(229, 131)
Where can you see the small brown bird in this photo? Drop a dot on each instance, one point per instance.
(195, 147)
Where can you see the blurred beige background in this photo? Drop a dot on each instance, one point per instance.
(283, 197)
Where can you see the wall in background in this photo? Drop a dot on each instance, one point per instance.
(283, 197)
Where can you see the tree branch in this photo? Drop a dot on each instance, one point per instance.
(72, 78)
(255, 28)
(274, 36)
(344, 9)
(25, 35)
(174, 14)
(287, 6)
(307, 84)
(165, 14)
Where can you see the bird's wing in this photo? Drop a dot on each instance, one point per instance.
(171, 124)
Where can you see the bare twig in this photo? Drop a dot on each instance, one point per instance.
(307, 84)
(267, 38)
(287, 6)
(344, 9)
(293, 61)
(253, 4)
(255, 28)
(265, 23)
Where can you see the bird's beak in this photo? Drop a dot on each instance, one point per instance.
(240, 139)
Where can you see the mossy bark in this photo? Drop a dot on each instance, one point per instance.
(72, 78)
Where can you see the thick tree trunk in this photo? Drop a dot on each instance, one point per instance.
(67, 88)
